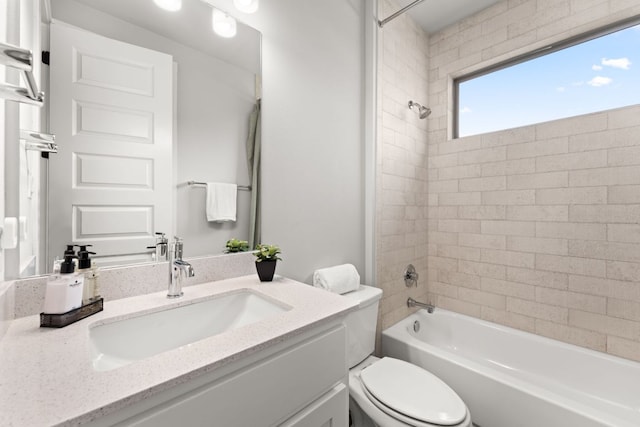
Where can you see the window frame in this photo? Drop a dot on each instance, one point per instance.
(539, 52)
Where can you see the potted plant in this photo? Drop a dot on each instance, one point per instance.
(235, 245)
(267, 256)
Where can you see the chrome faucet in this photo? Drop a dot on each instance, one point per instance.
(413, 303)
(161, 250)
(178, 269)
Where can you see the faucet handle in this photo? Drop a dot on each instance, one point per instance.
(177, 247)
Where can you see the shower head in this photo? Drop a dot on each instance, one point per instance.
(423, 111)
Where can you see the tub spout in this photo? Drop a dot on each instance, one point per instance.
(413, 303)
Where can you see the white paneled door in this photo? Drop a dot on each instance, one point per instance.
(110, 184)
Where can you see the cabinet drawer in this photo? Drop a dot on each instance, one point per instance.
(331, 410)
(261, 394)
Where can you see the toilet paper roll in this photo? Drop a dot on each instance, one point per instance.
(9, 239)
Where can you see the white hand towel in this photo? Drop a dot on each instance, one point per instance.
(221, 202)
(339, 279)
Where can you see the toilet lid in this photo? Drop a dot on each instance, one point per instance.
(412, 391)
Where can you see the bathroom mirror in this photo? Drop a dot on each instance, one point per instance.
(214, 88)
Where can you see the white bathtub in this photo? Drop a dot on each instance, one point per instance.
(510, 378)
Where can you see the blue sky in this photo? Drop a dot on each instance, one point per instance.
(600, 74)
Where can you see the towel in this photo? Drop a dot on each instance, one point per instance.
(221, 202)
(339, 279)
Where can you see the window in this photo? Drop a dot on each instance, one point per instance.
(584, 75)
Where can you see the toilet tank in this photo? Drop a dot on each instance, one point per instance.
(361, 324)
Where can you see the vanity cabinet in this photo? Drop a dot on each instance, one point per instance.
(301, 382)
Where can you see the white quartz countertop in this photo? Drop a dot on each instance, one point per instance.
(47, 377)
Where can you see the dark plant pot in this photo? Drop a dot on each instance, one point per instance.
(266, 270)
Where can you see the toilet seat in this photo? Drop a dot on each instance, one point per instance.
(410, 395)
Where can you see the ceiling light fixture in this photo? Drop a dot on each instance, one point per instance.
(223, 24)
(170, 5)
(246, 6)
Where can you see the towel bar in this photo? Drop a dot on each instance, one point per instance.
(20, 59)
(203, 184)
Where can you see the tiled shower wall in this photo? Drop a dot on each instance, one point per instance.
(536, 227)
(401, 179)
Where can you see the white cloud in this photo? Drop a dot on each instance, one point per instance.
(465, 110)
(622, 63)
(561, 89)
(598, 81)
(596, 67)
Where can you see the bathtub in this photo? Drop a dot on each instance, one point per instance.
(510, 378)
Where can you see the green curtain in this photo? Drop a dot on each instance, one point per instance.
(253, 163)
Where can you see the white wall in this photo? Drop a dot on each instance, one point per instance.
(313, 189)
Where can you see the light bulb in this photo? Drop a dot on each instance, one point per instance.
(246, 6)
(223, 24)
(170, 5)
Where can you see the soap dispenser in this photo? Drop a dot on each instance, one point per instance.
(87, 269)
(64, 290)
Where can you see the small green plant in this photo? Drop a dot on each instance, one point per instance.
(235, 245)
(267, 253)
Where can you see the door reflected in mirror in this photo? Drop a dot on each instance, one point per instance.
(142, 101)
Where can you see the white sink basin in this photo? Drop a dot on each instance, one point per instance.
(125, 341)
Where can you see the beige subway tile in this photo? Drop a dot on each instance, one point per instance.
(610, 288)
(577, 336)
(629, 233)
(468, 143)
(510, 228)
(442, 212)
(579, 301)
(573, 125)
(483, 184)
(444, 160)
(482, 269)
(511, 258)
(627, 116)
(507, 288)
(604, 214)
(620, 175)
(509, 136)
(538, 148)
(457, 172)
(605, 324)
(482, 298)
(569, 161)
(458, 306)
(623, 309)
(443, 238)
(509, 167)
(572, 196)
(470, 281)
(444, 289)
(625, 156)
(624, 194)
(459, 252)
(629, 349)
(571, 265)
(538, 213)
(613, 251)
(537, 310)
(570, 230)
(512, 320)
(482, 212)
(537, 245)
(538, 277)
(485, 155)
(459, 225)
(623, 137)
(538, 180)
(512, 197)
(623, 270)
(488, 241)
(459, 199)
(443, 264)
(449, 186)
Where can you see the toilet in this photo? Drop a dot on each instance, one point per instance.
(388, 392)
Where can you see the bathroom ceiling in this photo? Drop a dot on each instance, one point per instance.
(434, 15)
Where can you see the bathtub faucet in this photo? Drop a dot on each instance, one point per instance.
(413, 303)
